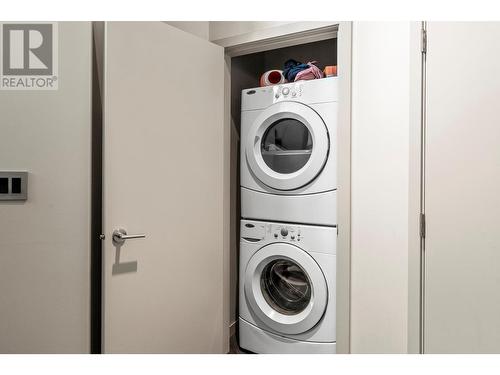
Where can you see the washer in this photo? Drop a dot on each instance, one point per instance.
(288, 152)
(287, 288)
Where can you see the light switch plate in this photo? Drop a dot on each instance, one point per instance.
(11, 195)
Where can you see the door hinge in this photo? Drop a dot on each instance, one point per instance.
(422, 225)
(424, 41)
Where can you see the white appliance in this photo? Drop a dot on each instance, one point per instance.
(288, 152)
(287, 288)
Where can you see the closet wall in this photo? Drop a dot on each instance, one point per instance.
(379, 186)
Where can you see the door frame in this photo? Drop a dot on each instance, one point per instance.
(343, 32)
(97, 183)
(416, 193)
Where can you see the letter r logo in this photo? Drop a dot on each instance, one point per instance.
(27, 49)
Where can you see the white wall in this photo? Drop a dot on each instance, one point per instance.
(231, 33)
(198, 28)
(45, 241)
(225, 29)
(380, 170)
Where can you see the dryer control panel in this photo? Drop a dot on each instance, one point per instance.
(288, 91)
(308, 92)
(309, 237)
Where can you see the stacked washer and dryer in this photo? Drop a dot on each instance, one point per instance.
(288, 226)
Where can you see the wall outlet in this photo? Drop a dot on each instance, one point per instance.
(13, 186)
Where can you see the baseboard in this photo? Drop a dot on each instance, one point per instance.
(232, 329)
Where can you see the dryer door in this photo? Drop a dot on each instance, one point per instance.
(286, 288)
(287, 146)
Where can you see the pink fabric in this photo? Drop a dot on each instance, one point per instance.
(313, 72)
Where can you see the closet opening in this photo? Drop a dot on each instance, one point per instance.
(246, 72)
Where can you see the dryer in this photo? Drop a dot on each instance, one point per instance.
(287, 288)
(288, 152)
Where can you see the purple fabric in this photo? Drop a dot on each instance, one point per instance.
(313, 72)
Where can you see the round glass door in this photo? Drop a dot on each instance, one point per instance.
(287, 146)
(285, 288)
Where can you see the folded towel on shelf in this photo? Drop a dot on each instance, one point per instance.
(312, 72)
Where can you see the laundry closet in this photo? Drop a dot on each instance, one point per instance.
(302, 130)
(152, 215)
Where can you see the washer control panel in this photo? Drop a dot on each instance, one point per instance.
(285, 232)
(271, 232)
(314, 238)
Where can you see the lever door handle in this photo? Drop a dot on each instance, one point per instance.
(120, 235)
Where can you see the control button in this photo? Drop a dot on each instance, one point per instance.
(284, 232)
(277, 95)
(285, 91)
(275, 235)
(292, 237)
(294, 93)
(16, 185)
(4, 185)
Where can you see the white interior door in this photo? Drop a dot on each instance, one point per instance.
(163, 177)
(462, 254)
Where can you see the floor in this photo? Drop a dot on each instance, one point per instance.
(234, 348)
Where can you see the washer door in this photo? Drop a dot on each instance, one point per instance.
(287, 145)
(286, 288)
